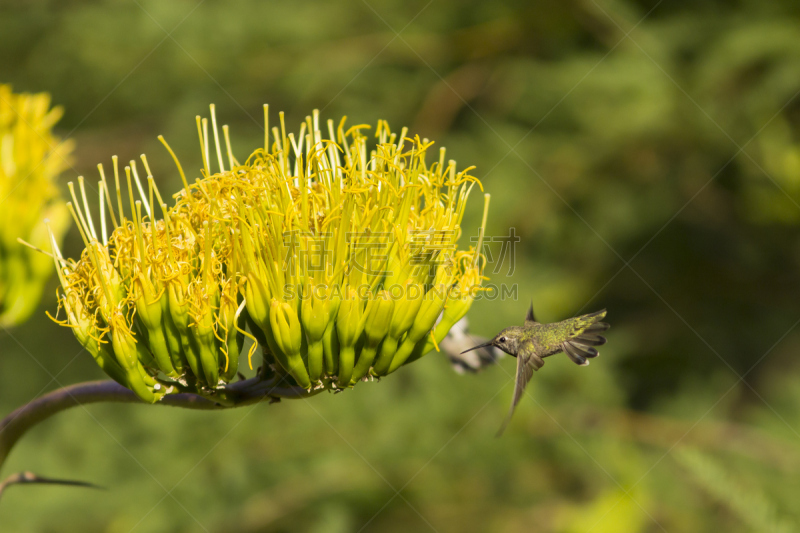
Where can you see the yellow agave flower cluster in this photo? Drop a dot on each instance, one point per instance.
(339, 261)
(31, 158)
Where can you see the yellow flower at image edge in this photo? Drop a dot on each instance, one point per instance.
(338, 260)
(31, 158)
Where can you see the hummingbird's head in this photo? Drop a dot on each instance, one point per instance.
(507, 340)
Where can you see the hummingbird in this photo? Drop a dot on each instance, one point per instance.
(532, 342)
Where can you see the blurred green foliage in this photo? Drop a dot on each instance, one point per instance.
(648, 156)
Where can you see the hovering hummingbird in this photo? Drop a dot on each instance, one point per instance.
(531, 343)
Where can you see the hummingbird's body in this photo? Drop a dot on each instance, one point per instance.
(531, 343)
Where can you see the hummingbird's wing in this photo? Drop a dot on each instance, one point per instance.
(475, 360)
(459, 339)
(527, 363)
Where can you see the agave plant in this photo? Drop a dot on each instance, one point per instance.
(31, 158)
(338, 259)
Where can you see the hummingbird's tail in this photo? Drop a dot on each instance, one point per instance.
(585, 335)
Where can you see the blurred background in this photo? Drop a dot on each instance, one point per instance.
(647, 154)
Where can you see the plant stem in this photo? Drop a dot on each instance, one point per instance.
(241, 393)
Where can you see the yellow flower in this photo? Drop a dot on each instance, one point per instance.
(334, 254)
(31, 158)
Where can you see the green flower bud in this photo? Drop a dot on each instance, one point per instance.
(350, 319)
(83, 326)
(459, 302)
(330, 339)
(379, 314)
(288, 335)
(316, 313)
(425, 319)
(257, 295)
(315, 316)
(405, 311)
(179, 312)
(230, 338)
(107, 275)
(173, 337)
(126, 354)
(123, 344)
(104, 358)
(149, 311)
(432, 305)
(205, 300)
(349, 325)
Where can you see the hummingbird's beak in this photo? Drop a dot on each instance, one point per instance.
(484, 345)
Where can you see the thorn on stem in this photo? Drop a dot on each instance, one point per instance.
(21, 478)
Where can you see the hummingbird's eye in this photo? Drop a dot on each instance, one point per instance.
(502, 339)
